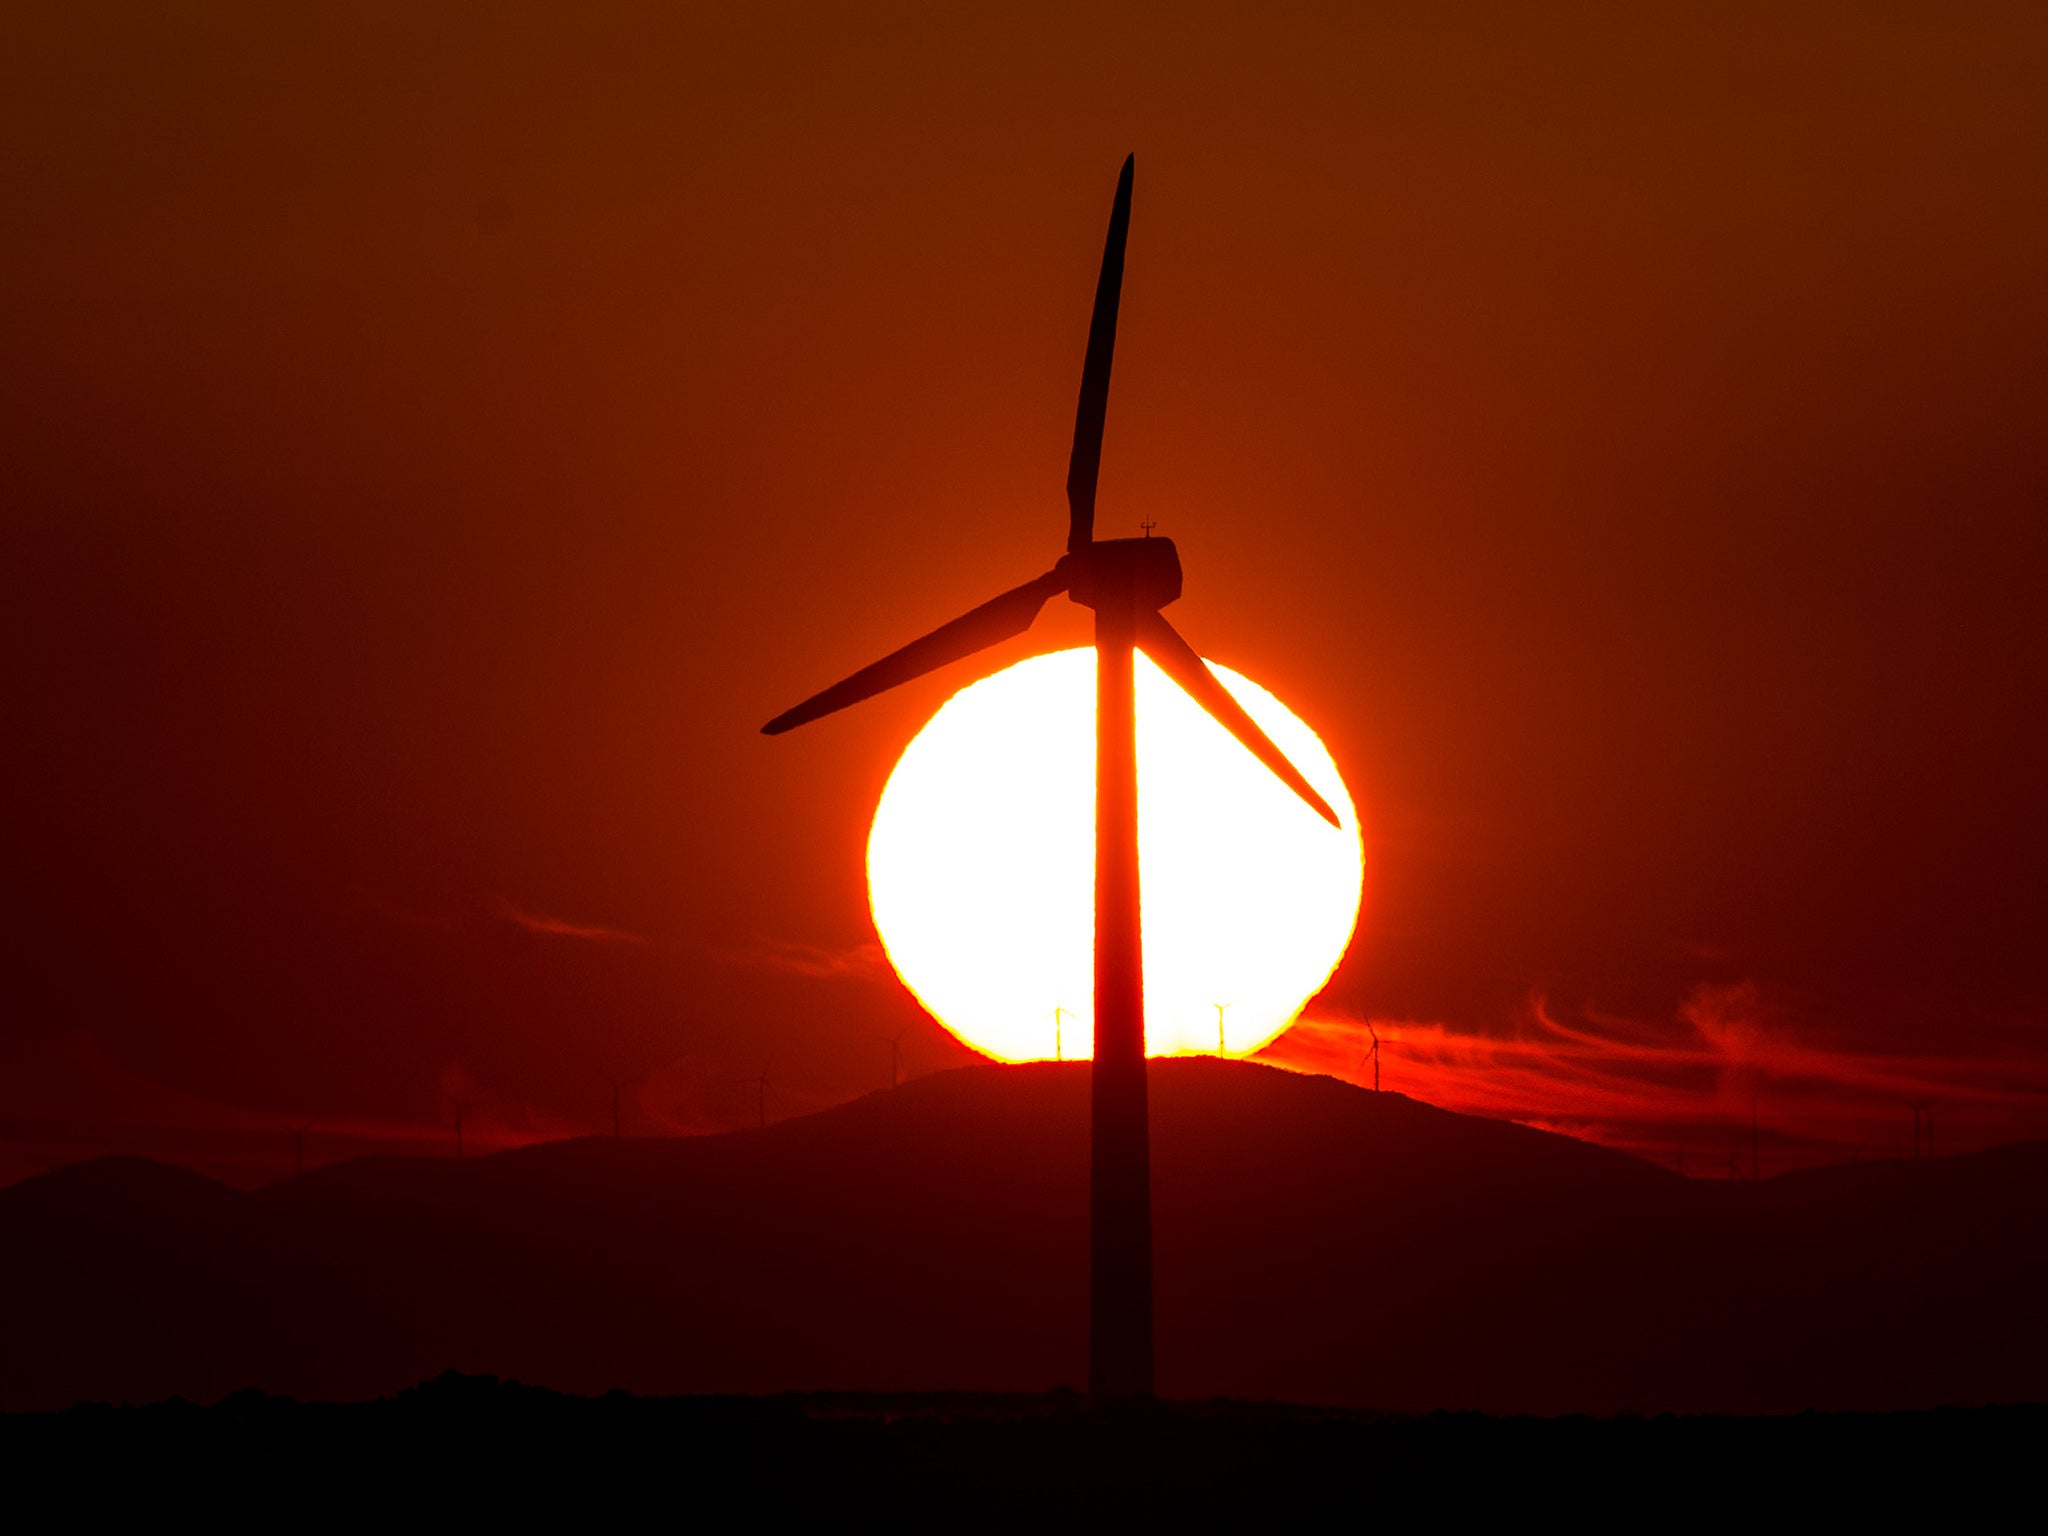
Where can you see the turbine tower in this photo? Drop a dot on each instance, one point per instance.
(1373, 1056)
(1126, 582)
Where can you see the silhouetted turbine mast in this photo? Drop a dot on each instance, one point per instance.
(1126, 582)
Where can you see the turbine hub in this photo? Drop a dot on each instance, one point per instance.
(1144, 573)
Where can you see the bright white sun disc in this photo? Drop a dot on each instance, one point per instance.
(981, 865)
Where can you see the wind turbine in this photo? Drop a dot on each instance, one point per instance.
(462, 1109)
(1126, 582)
(1752, 1139)
(1373, 1056)
(762, 1088)
(618, 1086)
(896, 1055)
(1059, 1043)
(1221, 1048)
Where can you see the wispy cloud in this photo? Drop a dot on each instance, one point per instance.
(859, 962)
(1686, 1085)
(67, 1098)
(562, 928)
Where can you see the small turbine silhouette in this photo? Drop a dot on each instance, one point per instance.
(462, 1108)
(1753, 1175)
(618, 1086)
(1221, 1048)
(762, 1089)
(1126, 582)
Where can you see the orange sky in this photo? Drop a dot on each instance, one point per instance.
(436, 438)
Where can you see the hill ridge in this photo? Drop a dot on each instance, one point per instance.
(1315, 1242)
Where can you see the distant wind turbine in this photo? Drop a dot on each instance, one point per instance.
(1221, 1048)
(762, 1088)
(1059, 1044)
(1373, 1056)
(1752, 1139)
(462, 1109)
(1127, 582)
(896, 1055)
(1922, 1127)
(618, 1087)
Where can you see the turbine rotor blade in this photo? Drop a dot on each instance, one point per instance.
(993, 622)
(1178, 660)
(1086, 463)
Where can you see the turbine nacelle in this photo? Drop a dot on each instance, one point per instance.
(1143, 574)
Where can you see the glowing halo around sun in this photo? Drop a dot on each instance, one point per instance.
(981, 865)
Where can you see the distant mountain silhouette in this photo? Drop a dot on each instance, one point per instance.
(1316, 1243)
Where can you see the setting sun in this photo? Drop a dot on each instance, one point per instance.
(981, 865)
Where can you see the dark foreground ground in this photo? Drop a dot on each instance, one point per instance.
(471, 1446)
(1313, 1242)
